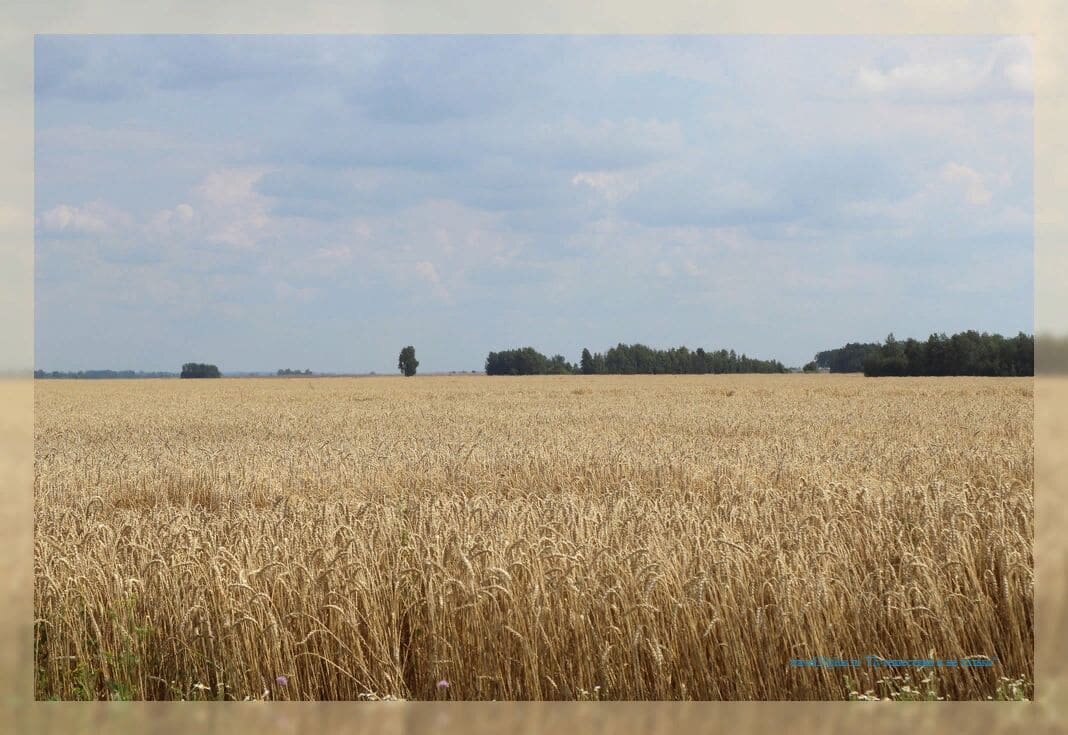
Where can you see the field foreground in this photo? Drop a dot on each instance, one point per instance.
(639, 537)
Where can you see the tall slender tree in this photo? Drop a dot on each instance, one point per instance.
(586, 362)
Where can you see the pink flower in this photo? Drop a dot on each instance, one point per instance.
(443, 684)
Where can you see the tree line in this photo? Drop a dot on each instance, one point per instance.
(526, 361)
(965, 353)
(847, 359)
(200, 370)
(98, 374)
(626, 359)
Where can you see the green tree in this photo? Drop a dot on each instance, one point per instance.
(965, 353)
(627, 359)
(847, 359)
(586, 362)
(558, 365)
(407, 363)
(200, 370)
(598, 364)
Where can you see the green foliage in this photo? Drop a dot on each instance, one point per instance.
(640, 359)
(586, 362)
(199, 370)
(810, 367)
(407, 363)
(966, 353)
(523, 361)
(847, 359)
(629, 360)
(99, 374)
(287, 371)
(557, 365)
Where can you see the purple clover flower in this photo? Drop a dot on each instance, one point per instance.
(443, 684)
(282, 680)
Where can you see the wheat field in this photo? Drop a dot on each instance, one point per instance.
(593, 537)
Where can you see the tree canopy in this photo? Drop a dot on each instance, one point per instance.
(522, 361)
(100, 374)
(847, 359)
(406, 362)
(965, 353)
(628, 360)
(199, 370)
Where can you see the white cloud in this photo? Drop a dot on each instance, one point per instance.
(692, 269)
(664, 270)
(974, 186)
(361, 229)
(612, 186)
(440, 230)
(942, 190)
(94, 218)
(1021, 74)
(953, 76)
(426, 270)
(169, 221)
(239, 214)
(1007, 68)
(429, 273)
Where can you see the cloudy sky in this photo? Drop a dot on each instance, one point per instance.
(264, 202)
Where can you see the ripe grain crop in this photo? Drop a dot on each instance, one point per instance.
(594, 537)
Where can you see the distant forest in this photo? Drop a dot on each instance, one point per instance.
(966, 353)
(847, 359)
(628, 360)
(200, 370)
(99, 374)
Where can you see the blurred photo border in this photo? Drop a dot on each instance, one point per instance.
(1045, 21)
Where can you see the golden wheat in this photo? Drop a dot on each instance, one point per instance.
(663, 537)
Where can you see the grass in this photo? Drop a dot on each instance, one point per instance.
(669, 537)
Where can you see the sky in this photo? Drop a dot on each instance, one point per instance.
(266, 202)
